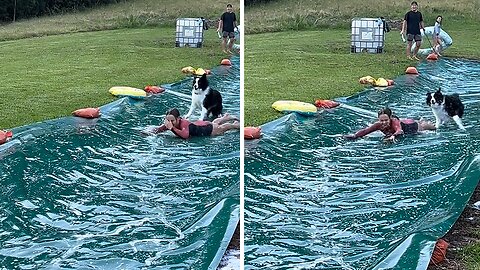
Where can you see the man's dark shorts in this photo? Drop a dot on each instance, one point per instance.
(411, 37)
(228, 34)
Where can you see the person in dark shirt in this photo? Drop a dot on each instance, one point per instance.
(392, 126)
(412, 23)
(186, 129)
(226, 26)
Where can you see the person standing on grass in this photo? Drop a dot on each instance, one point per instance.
(226, 26)
(412, 23)
(436, 35)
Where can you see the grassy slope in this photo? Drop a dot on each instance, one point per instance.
(132, 13)
(50, 76)
(317, 63)
(280, 15)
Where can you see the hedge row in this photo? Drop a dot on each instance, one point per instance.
(23, 9)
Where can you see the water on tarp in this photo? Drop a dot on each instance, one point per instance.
(314, 200)
(96, 194)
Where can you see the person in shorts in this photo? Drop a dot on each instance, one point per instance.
(412, 23)
(226, 26)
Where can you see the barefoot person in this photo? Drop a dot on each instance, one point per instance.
(392, 126)
(226, 26)
(186, 129)
(412, 23)
(436, 35)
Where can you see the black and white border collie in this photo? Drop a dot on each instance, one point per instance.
(446, 107)
(204, 97)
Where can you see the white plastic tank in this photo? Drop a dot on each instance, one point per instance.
(189, 32)
(368, 35)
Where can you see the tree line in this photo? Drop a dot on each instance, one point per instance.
(253, 2)
(11, 10)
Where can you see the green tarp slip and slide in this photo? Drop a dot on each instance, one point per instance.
(314, 200)
(96, 194)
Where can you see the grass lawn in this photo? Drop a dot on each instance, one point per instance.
(470, 253)
(53, 65)
(49, 77)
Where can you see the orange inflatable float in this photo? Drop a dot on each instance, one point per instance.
(250, 133)
(5, 136)
(87, 113)
(153, 89)
(226, 62)
(432, 56)
(326, 104)
(411, 70)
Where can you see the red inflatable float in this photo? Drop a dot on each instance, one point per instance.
(153, 89)
(411, 70)
(326, 104)
(87, 112)
(5, 136)
(432, 56)
(226, 62)
(250, 133)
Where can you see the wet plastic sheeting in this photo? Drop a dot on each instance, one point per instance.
(316, 201)
(96, 194)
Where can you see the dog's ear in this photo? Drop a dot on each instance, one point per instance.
(204, 76)
(439, 90)
(428, 94)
